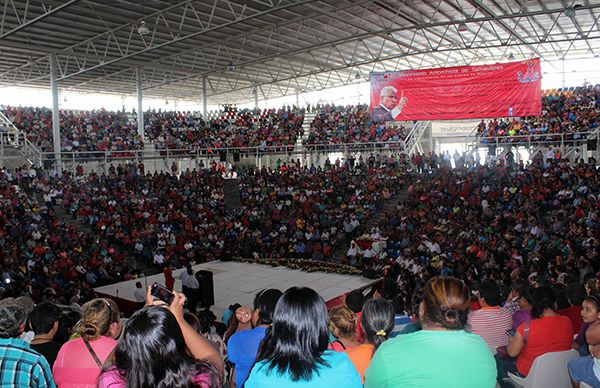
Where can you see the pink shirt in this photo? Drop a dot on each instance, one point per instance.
(112, 379)
(75, 367)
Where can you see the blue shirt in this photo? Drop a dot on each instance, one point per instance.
(242, 349)
(21, 366)
(340, 373)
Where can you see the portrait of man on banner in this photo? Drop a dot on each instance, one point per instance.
(390, 106)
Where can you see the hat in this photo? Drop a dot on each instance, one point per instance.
(11, 315)
(26, 303)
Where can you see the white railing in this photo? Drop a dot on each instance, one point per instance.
(415, 134)
(561, 140)
(19, 141)
(316, 149)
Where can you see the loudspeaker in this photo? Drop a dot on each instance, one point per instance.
(231, 189)
(207, 289)
(592, 144)
(236, 156)
(222, 156)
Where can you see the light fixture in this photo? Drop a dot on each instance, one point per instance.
(231, 66)
(143, 28)
(462, 27)
(357, 75)
(511, 56)
(570, 12)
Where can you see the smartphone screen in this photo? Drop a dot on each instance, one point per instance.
(511, 332)
(162, 293)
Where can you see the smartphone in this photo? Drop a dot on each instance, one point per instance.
(511, 332)
(162, 293)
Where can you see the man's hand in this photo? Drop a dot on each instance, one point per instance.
(403, 101)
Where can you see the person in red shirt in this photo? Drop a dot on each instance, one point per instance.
(169, 279)
(546, 332)
(575, 295)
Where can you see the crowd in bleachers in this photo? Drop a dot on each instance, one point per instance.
(474, 252)
(350, 124)
(81, 131)
(276, 129)
(571, 112)
(525, 238)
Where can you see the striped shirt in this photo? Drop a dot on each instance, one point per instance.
(21, 366)
(491, 323)
(400, 322)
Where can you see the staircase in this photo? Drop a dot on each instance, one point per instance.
(411, 143)
(306, 123)
(15, 149)
(376, 220)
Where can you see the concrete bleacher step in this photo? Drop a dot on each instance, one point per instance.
(12, 158)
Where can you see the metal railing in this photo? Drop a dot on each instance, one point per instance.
(85, 156)
(415, 134)
(17, 140)
(562, 140)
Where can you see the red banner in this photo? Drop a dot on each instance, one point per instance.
(499, 90)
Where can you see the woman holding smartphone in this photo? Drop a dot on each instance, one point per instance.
(159, 348)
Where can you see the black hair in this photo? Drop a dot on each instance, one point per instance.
(66, 324)
(399, 305)
(526, 294)
(265, 302)
(43, 316)
(490, 292)
(299, 335)
(377, 321)
(355, 301)
(593, 298)
(575, 293)
(192, 320)
(543, 298)
(152, 353)
(206, 318)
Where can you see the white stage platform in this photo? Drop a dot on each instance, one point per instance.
(239, 282)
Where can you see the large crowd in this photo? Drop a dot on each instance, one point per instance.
(565, 112)
(81, 131)
(485, 267)
(351, 124)
(274, 129)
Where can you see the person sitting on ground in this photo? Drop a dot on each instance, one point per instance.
(546, 332)
(160, 349)
(294, 352)
(342, 324)
(20, 366)
(491, 321)
(44, 323)
(243, 346)
(442, 353)
(378, 323)
(79, 361)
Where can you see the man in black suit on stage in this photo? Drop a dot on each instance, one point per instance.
(389, 108)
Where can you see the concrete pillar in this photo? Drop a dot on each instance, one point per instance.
(140, 112)
(55, 114)
(204, 102)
